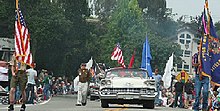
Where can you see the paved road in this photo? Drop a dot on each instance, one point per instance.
(67, 103)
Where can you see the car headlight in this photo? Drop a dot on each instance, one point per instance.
(103, 83)
(146, 82)
(106, 82)
(149, 83)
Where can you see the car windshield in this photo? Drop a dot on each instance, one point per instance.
(130, 73)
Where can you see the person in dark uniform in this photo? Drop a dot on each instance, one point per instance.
(84, 77)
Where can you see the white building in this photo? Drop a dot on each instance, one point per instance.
(188, 42)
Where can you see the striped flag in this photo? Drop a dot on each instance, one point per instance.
(21, 35)
(117, 55)
(22, 39)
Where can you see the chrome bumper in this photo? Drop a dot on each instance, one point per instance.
(128, 96)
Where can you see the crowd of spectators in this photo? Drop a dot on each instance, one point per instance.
(46, 86)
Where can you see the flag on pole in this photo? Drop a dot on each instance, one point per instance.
(146, 58)
(89, 64)
(22, 38)
(167, 77)
(117, 55)
(132, 60)
(209, 49)
(21, 34)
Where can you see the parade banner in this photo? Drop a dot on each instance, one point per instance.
(210, 49)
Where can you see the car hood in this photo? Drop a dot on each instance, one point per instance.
(128, 82)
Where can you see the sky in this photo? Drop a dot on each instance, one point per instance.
(194, 7)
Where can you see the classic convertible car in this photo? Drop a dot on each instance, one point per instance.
(127, 86)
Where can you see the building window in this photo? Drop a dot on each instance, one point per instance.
(187, 53)
(188, 36)
(186, 67)
(188, 41)
(179, 66)
(182, 41)
(182, 36)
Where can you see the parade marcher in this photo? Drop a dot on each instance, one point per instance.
(178, 93)
(84, 77)
(188, 94)
(32, 76)
(158, 79)
(19, 77)
(201, 84)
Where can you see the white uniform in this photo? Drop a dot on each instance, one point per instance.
(82, 92)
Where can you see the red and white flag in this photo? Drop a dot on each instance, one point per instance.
(117, 55)
(22, 40)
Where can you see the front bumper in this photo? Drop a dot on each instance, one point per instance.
(129, 96)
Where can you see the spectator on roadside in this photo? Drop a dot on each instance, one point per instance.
(178, 94)
(32, 76)
(158, 80)
(46, 86)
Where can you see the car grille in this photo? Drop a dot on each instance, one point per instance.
(126, 90)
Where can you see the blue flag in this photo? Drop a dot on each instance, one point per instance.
(210, 51)
(215, 55)
(204, 56)
(146, 58)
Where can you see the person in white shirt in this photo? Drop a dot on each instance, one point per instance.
(32, 76)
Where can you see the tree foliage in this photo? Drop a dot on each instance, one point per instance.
(59, 33)
(126, 25)
(62, 36)
(7, 17)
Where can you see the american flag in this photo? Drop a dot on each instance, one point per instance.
(22, 40)
(117, 55)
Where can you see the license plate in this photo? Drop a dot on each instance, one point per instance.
(126, 96)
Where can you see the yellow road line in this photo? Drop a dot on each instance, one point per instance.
(118, 109)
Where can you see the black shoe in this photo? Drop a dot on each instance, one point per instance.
(11, 108)
(83, 104)
(23, 107)
(78, 105)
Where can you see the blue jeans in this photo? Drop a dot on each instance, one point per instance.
(46, 91)
(177, 95)
(204, 83)
(157, 100)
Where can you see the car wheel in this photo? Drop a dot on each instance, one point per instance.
(104, 104)
(149, 104)
(92, 98)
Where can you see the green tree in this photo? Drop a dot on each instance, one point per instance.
(217, 25)
(59, 32)
(7, 18)
(158, 17)
(125, 26)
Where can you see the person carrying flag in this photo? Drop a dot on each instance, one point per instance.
(201, 82)
(19, 77)
(84, 78)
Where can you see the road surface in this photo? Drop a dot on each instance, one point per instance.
(67, 103)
